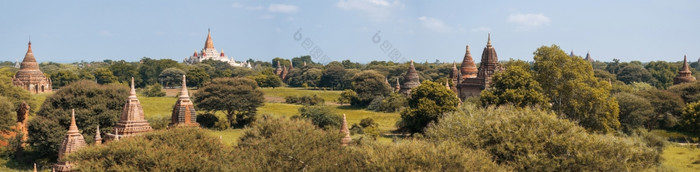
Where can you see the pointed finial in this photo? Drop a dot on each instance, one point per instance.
(489, 42)
(132, 93)
(183, 92)
(447, 83)
(73, 127)
(34, 167)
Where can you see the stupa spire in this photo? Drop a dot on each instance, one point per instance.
(73, 127)
(468, 68)
(344, 130)
(488, 44)
(183, 91)
(132, 92)
(685, 64)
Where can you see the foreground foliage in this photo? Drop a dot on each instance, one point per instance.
(276, 144)
(534, 140)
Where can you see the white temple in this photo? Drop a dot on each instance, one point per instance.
(208, 52)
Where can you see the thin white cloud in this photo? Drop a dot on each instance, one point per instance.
(247, 7)
(529, 21)
(267, 16)
(481, 29)
(282, 8)
(105, 33)
(376, 10)
(434, 24)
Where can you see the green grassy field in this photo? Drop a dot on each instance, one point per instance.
(681, 158)
(327, 95)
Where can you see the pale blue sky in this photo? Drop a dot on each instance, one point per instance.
(68, 31)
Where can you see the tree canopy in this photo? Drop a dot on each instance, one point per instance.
(238, 98)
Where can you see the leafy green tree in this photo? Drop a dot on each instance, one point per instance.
(333, 76)
(299, 61)
(690, 92)
(268, 80)
(283, 62)
(347, 64)
(663, 72)
(536, 140)
(635, 111)
(428, 102)
(635, 73)
(187, 149)
(124, 71)
(62, 78)
(690, 119)
(155, 90)
(94, 105)
(667, 105)
(238, 98)
(16, 95)
(304, 76)
(171, 77)
(516, 85)
(392, 103)
(242, 72)
(347, 96)
(196, 77)
(104, 76)
(150, 69)
(368, 85)
(574, 91)
(7, 115)
(321, 116)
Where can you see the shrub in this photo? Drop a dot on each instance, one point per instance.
(368, 122)
(690, 119)
(155, 90)
(179, 149)
(304, 100)
(535, 140)
(159, 122)
(207, 120)
(321, 116)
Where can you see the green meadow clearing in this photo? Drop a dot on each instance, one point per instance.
(676, 157)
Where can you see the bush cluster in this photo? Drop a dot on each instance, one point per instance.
(304, 100)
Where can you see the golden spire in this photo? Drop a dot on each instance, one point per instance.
(73, 128)
(209, 43)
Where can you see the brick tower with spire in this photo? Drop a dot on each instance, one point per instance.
(410, 80)
(71, 143)
(684, 75)
(183, 112)
(30, 76)
(471, 85)
(346, 132)
(132, 121)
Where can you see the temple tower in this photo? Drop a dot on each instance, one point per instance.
(488, 67)
(183, 112)
(468, 67)
(345, 131)
(588, 57)
(132, 120)
(397, 86)
(684, 75)
(29, 76)
(410, 80)
(71, 143)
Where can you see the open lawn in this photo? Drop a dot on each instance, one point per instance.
(681, 158)
(327, 95)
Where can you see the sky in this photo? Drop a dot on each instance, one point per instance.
(358, 30)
